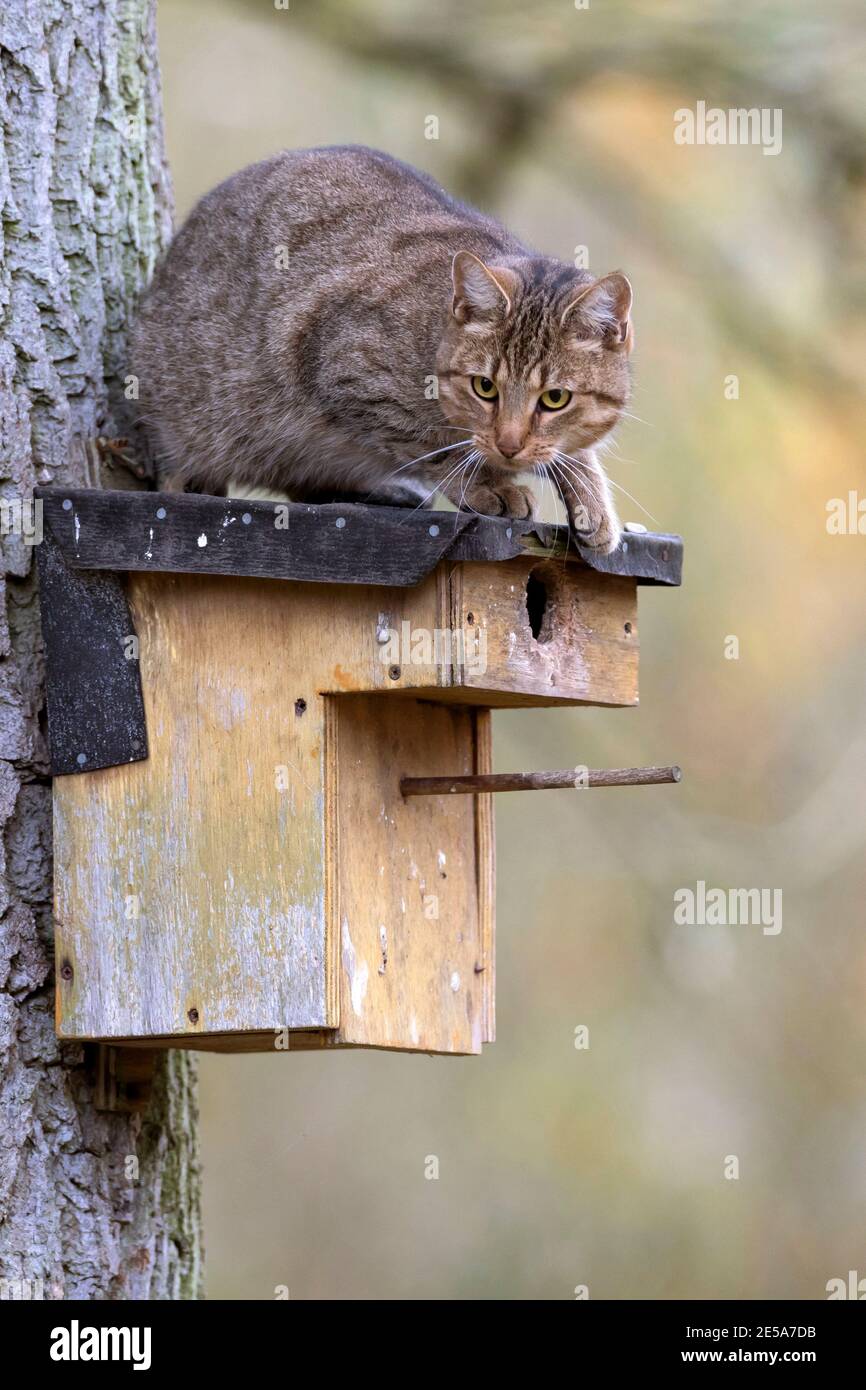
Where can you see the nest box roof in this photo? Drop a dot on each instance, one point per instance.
(334, 543)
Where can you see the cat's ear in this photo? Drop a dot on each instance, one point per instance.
(605, 308)
(480, 291)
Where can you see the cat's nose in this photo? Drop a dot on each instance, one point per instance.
(508, 447)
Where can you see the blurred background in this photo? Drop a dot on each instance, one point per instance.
(605, 1167)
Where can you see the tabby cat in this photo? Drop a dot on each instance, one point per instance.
(331, 323)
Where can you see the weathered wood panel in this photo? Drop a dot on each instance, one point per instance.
(190, 888)
(206, 908)
(586, 647)
(412, 954)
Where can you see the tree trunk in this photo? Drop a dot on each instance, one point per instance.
(93, 1205)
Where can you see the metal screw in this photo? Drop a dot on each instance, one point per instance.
(394, 672)
(300, 707)
(192, 1015)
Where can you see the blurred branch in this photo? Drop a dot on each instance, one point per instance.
(505, 112)
(699, 256)
(513, 67)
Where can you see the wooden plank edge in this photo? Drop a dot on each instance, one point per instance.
(333, 912)
(485, 859)
(299, 1040)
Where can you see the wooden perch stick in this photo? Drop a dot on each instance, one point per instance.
(578, 777)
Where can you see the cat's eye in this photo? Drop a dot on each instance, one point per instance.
(554, 399)
(485, 388)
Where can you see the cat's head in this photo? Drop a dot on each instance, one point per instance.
(534, 358)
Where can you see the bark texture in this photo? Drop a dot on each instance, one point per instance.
(93, 1205)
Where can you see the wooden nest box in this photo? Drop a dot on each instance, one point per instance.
(247, 702)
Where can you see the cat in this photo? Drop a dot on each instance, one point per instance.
(330, 322)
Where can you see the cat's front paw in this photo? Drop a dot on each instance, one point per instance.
(500, 499)
(597, 530)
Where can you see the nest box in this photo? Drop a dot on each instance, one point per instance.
(258, 716)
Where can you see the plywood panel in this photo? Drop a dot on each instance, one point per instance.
(408, 892)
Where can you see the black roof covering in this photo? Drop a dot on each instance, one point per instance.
(337, 543)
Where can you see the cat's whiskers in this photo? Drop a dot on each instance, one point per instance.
(480, 461)
(458, 443)
(549, 485)
(619, 488)
(441, 482)
(553, 480)
(579, 482)
(412, 462)
(605, 446)
(473, 458)
(573, 483)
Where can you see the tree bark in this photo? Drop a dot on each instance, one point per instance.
(93, 1205)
